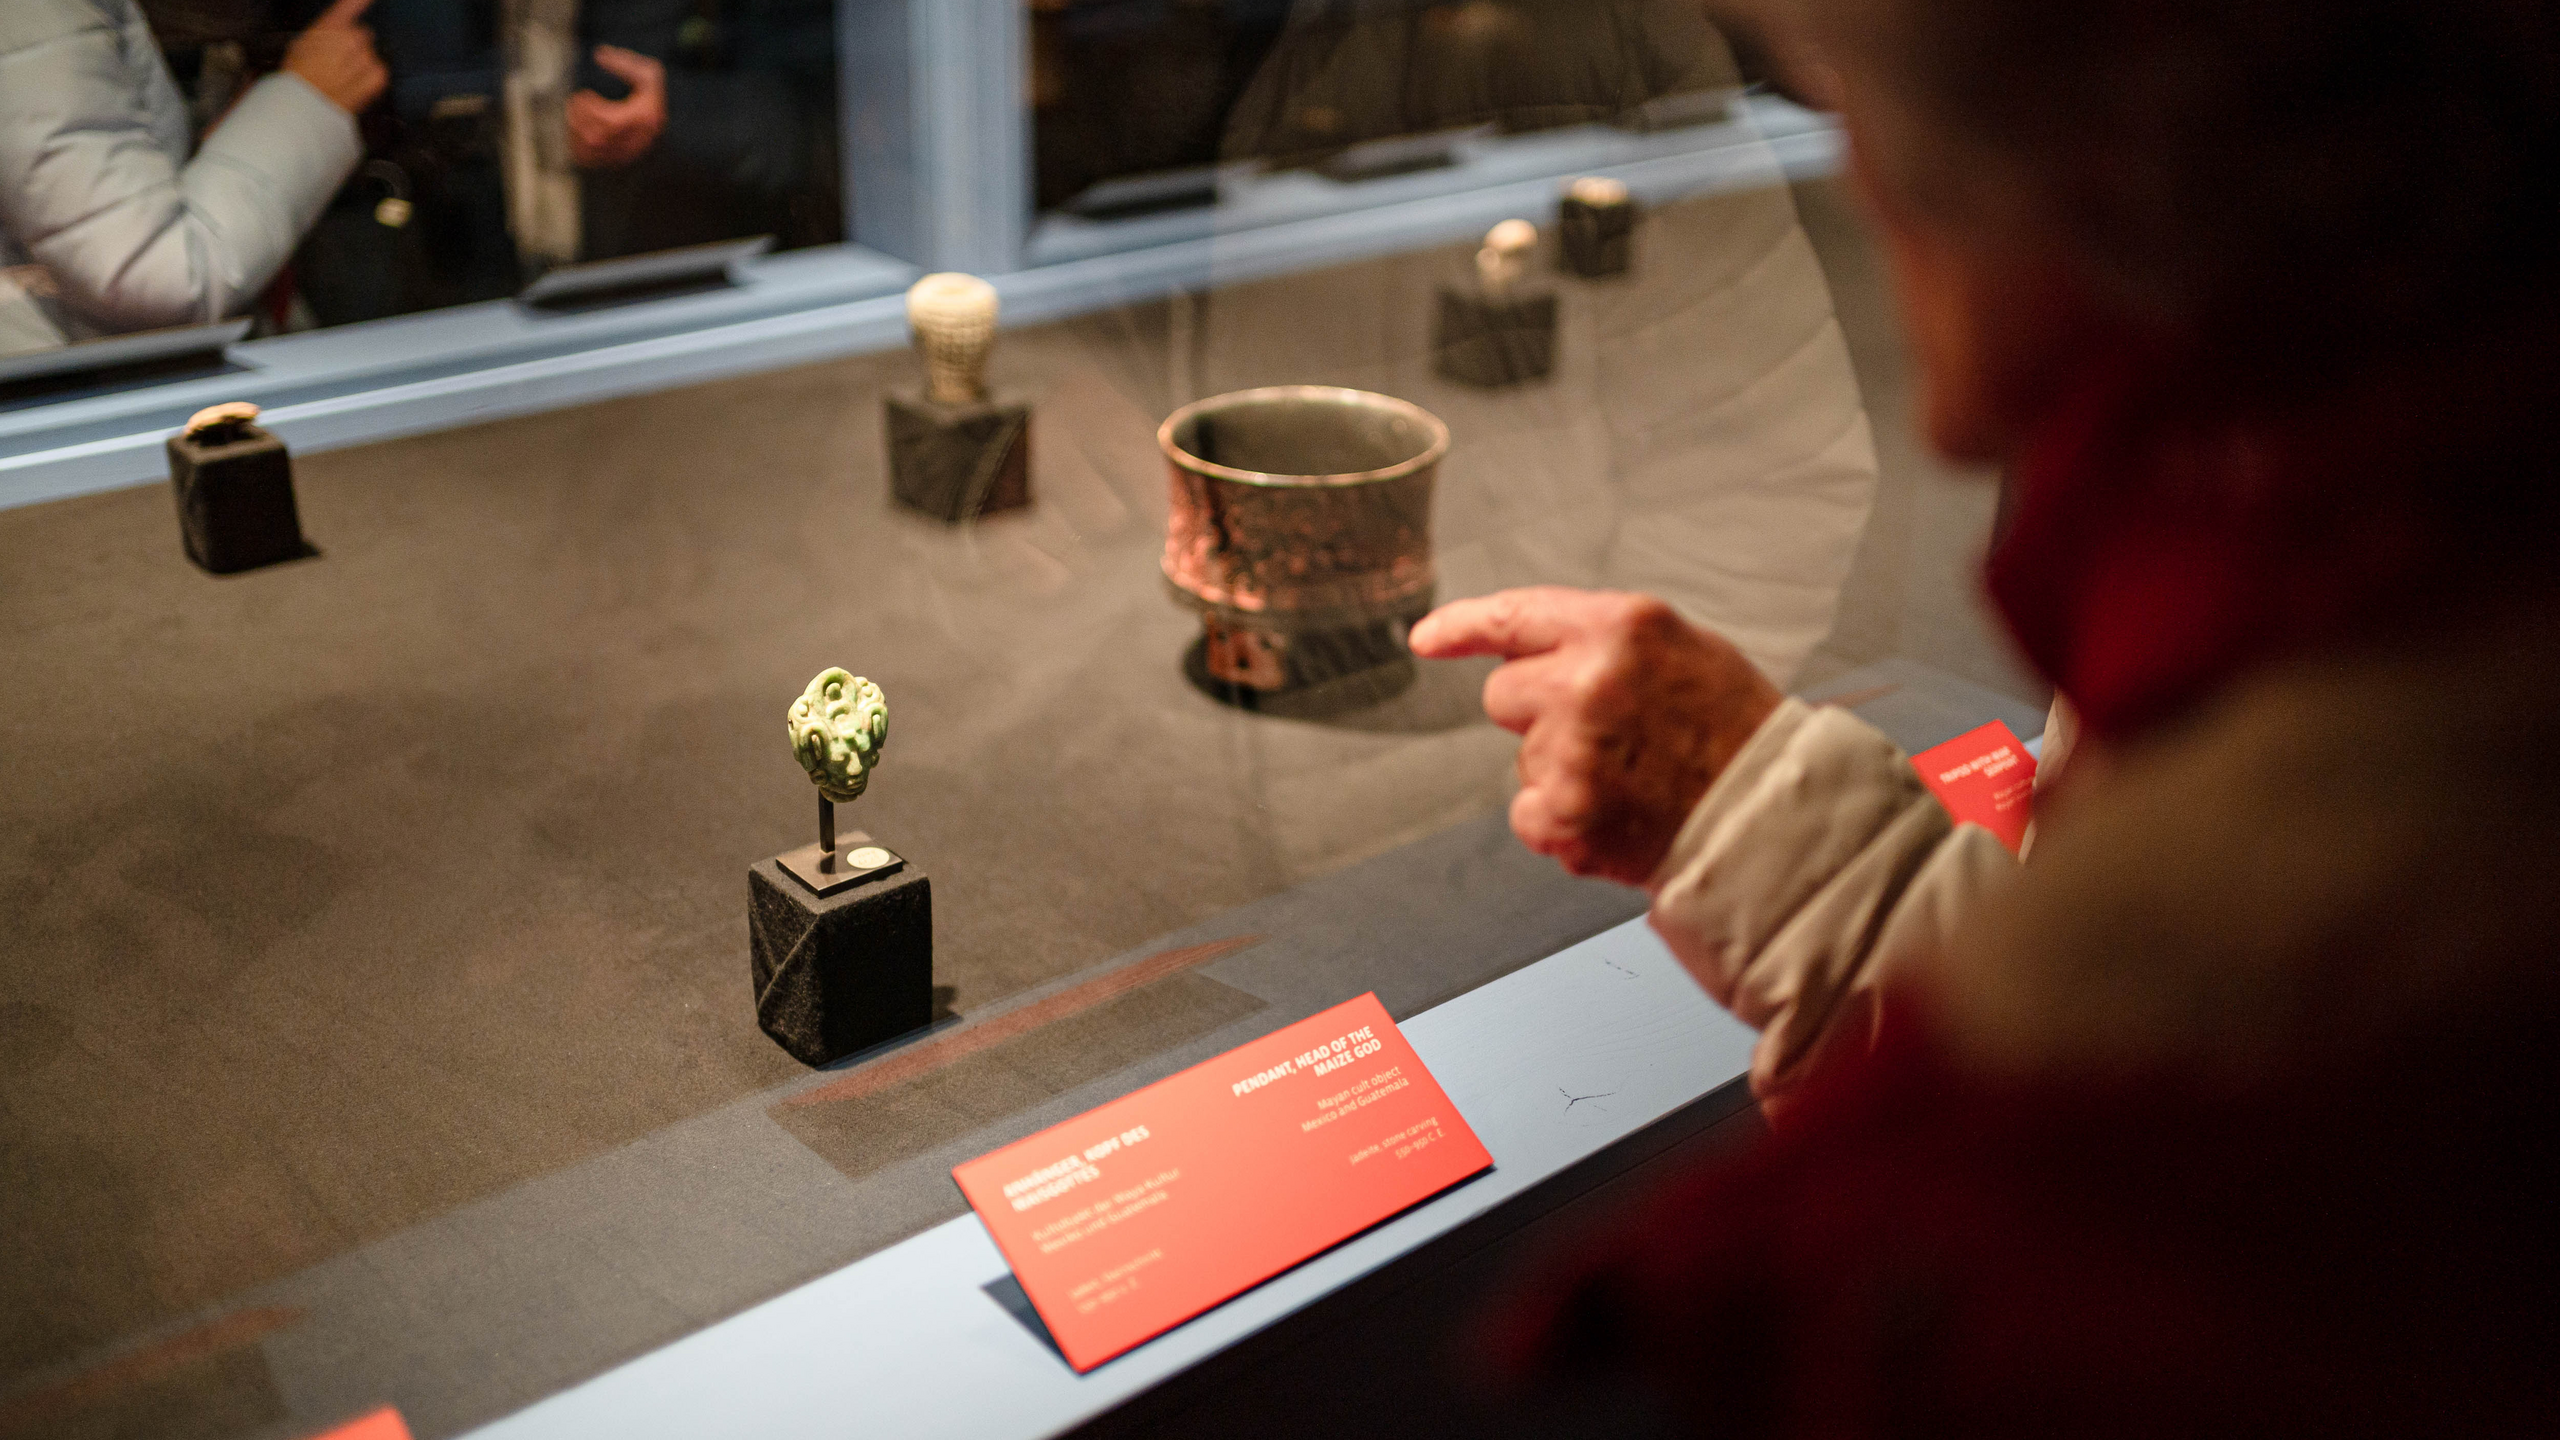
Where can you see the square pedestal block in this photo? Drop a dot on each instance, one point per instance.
(1599, 240)
(959, 462)
(235, 501)
(840, 973)
(1488, 340)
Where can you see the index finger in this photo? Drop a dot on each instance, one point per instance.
(344, 12)
(1509, 623)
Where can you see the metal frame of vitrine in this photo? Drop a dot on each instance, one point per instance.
(937, 155)
(937, 138)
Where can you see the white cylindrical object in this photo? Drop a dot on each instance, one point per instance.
(1505, 256)
(1599, 191)
(954, 320)
(230, 413)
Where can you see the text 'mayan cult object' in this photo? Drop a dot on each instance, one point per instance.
(1984, 777)
(1502, 329)
(1132, 1218)
(234, 485)
(954, 453)
(842, 938)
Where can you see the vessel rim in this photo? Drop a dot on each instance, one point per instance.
(1433, 425)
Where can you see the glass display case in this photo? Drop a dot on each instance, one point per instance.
(378, 1023)
(719, 123)
(1138, 104)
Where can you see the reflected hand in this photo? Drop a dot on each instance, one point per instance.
(605, 134)
(1628, 713)
(336, 57)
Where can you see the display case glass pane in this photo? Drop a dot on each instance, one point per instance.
(1138, 103)
(519, 136)
(381, 1019)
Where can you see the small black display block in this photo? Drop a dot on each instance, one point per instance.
(1494, 340)
(959, 462)
(840, 973)
(1599, 240)
(235, 498)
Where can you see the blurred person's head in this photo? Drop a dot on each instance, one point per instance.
(2277, 197)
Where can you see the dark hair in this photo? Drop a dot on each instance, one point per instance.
(2295, 175)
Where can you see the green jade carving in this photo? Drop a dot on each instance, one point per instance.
(838, 728)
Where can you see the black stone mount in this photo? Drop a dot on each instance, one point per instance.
(959, 463)
(836, 974)
(1494, 340)
(234, 485)
(1599, 240)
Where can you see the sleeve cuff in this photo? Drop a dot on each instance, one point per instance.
(1779, 884)
(1740, 777)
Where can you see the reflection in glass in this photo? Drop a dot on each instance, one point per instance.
(1124, 89)
(464, 832)
(518, 135)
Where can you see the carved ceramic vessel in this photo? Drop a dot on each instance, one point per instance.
(1297, 510)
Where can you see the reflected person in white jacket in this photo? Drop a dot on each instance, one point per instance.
(106, 225)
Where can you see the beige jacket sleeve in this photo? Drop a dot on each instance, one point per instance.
(1814, 861)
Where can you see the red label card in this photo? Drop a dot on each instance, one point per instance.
(1986, 777)
(1135, 1217)
(382, 1424)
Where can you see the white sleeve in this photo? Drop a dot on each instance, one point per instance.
(1815, 859)
(134, 241)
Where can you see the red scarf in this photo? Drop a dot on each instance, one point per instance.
(2155, 558)
(1931, 1252)
(2163, 546)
